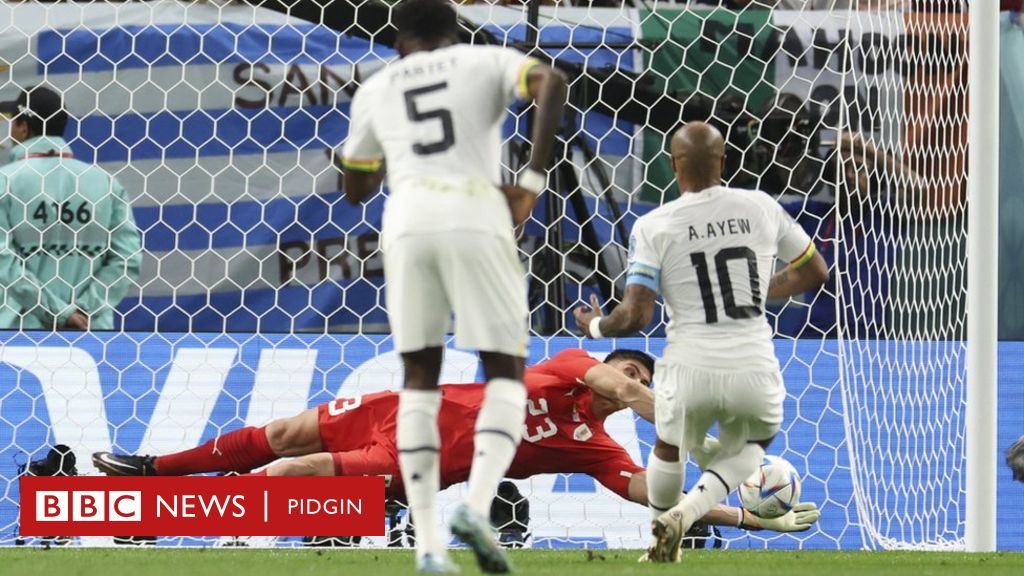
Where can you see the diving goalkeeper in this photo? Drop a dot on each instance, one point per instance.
(569, 398)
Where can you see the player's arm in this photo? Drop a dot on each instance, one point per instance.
(634, 312)
(807, 272)
(801, 518)
(806, 269)
(21, 288)
(360, 183)
(614, 468)
(318, 464)
(120, 264)
(612, 383)
(902, 176)
(547, 87)
(643, 281)
(362, 157)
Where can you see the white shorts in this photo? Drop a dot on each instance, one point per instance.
(688, 401)
(476, 276)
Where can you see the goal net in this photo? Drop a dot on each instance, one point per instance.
(260, 290)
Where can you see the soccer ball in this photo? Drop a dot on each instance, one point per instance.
(772, 490)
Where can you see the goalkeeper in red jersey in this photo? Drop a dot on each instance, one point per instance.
(568, 399)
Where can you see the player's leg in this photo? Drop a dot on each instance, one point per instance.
(665, 466)
(665, 476)
(689, 406)
(723, 475)
(319, 464)
(418, 441)
(238, 451)
(665, 473)
(499, 428)
(297, 435)
(497, 434)
(753, 413)
(488, 291)
(418, 311)
(374, 460)
(706, 452)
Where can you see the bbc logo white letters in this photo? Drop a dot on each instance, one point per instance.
(125, 506)
(52, 506)
(88, 506)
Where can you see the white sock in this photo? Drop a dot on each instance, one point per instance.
(499, 427)
(418, 442)
(664, 484)
(723, 475)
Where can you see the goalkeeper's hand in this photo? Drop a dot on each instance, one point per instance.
(1015, 459)
(799, 519)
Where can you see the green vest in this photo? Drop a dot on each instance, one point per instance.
(68, 240)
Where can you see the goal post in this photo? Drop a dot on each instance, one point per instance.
(982, 275)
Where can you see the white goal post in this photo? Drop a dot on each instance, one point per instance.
(982, 293)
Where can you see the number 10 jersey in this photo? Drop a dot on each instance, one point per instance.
(436, 117)
(711, 255)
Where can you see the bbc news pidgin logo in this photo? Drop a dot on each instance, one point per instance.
(202, 505)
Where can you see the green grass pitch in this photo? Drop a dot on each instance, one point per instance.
(227, 562)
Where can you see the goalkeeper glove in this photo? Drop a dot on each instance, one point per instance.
(799, 519)
(1015, 459)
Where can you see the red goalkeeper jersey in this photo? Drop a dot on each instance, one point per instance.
(561, 434)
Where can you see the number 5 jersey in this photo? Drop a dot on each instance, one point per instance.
(435, 117)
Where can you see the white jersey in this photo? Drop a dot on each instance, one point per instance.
(711, 255)
(436, 117)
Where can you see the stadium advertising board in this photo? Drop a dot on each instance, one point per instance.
(146, 393)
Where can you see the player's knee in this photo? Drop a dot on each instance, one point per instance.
(665, 451)
(497, 365)
(422, 368)
(281, 436)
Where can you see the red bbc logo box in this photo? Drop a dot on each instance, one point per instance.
(202, 506)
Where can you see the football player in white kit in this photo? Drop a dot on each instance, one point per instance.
(434, 117)
(711, 254)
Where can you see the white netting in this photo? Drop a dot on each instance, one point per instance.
(220, 121)
(902, 287)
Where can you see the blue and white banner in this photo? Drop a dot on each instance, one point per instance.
(149, 393)
(221, 122)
